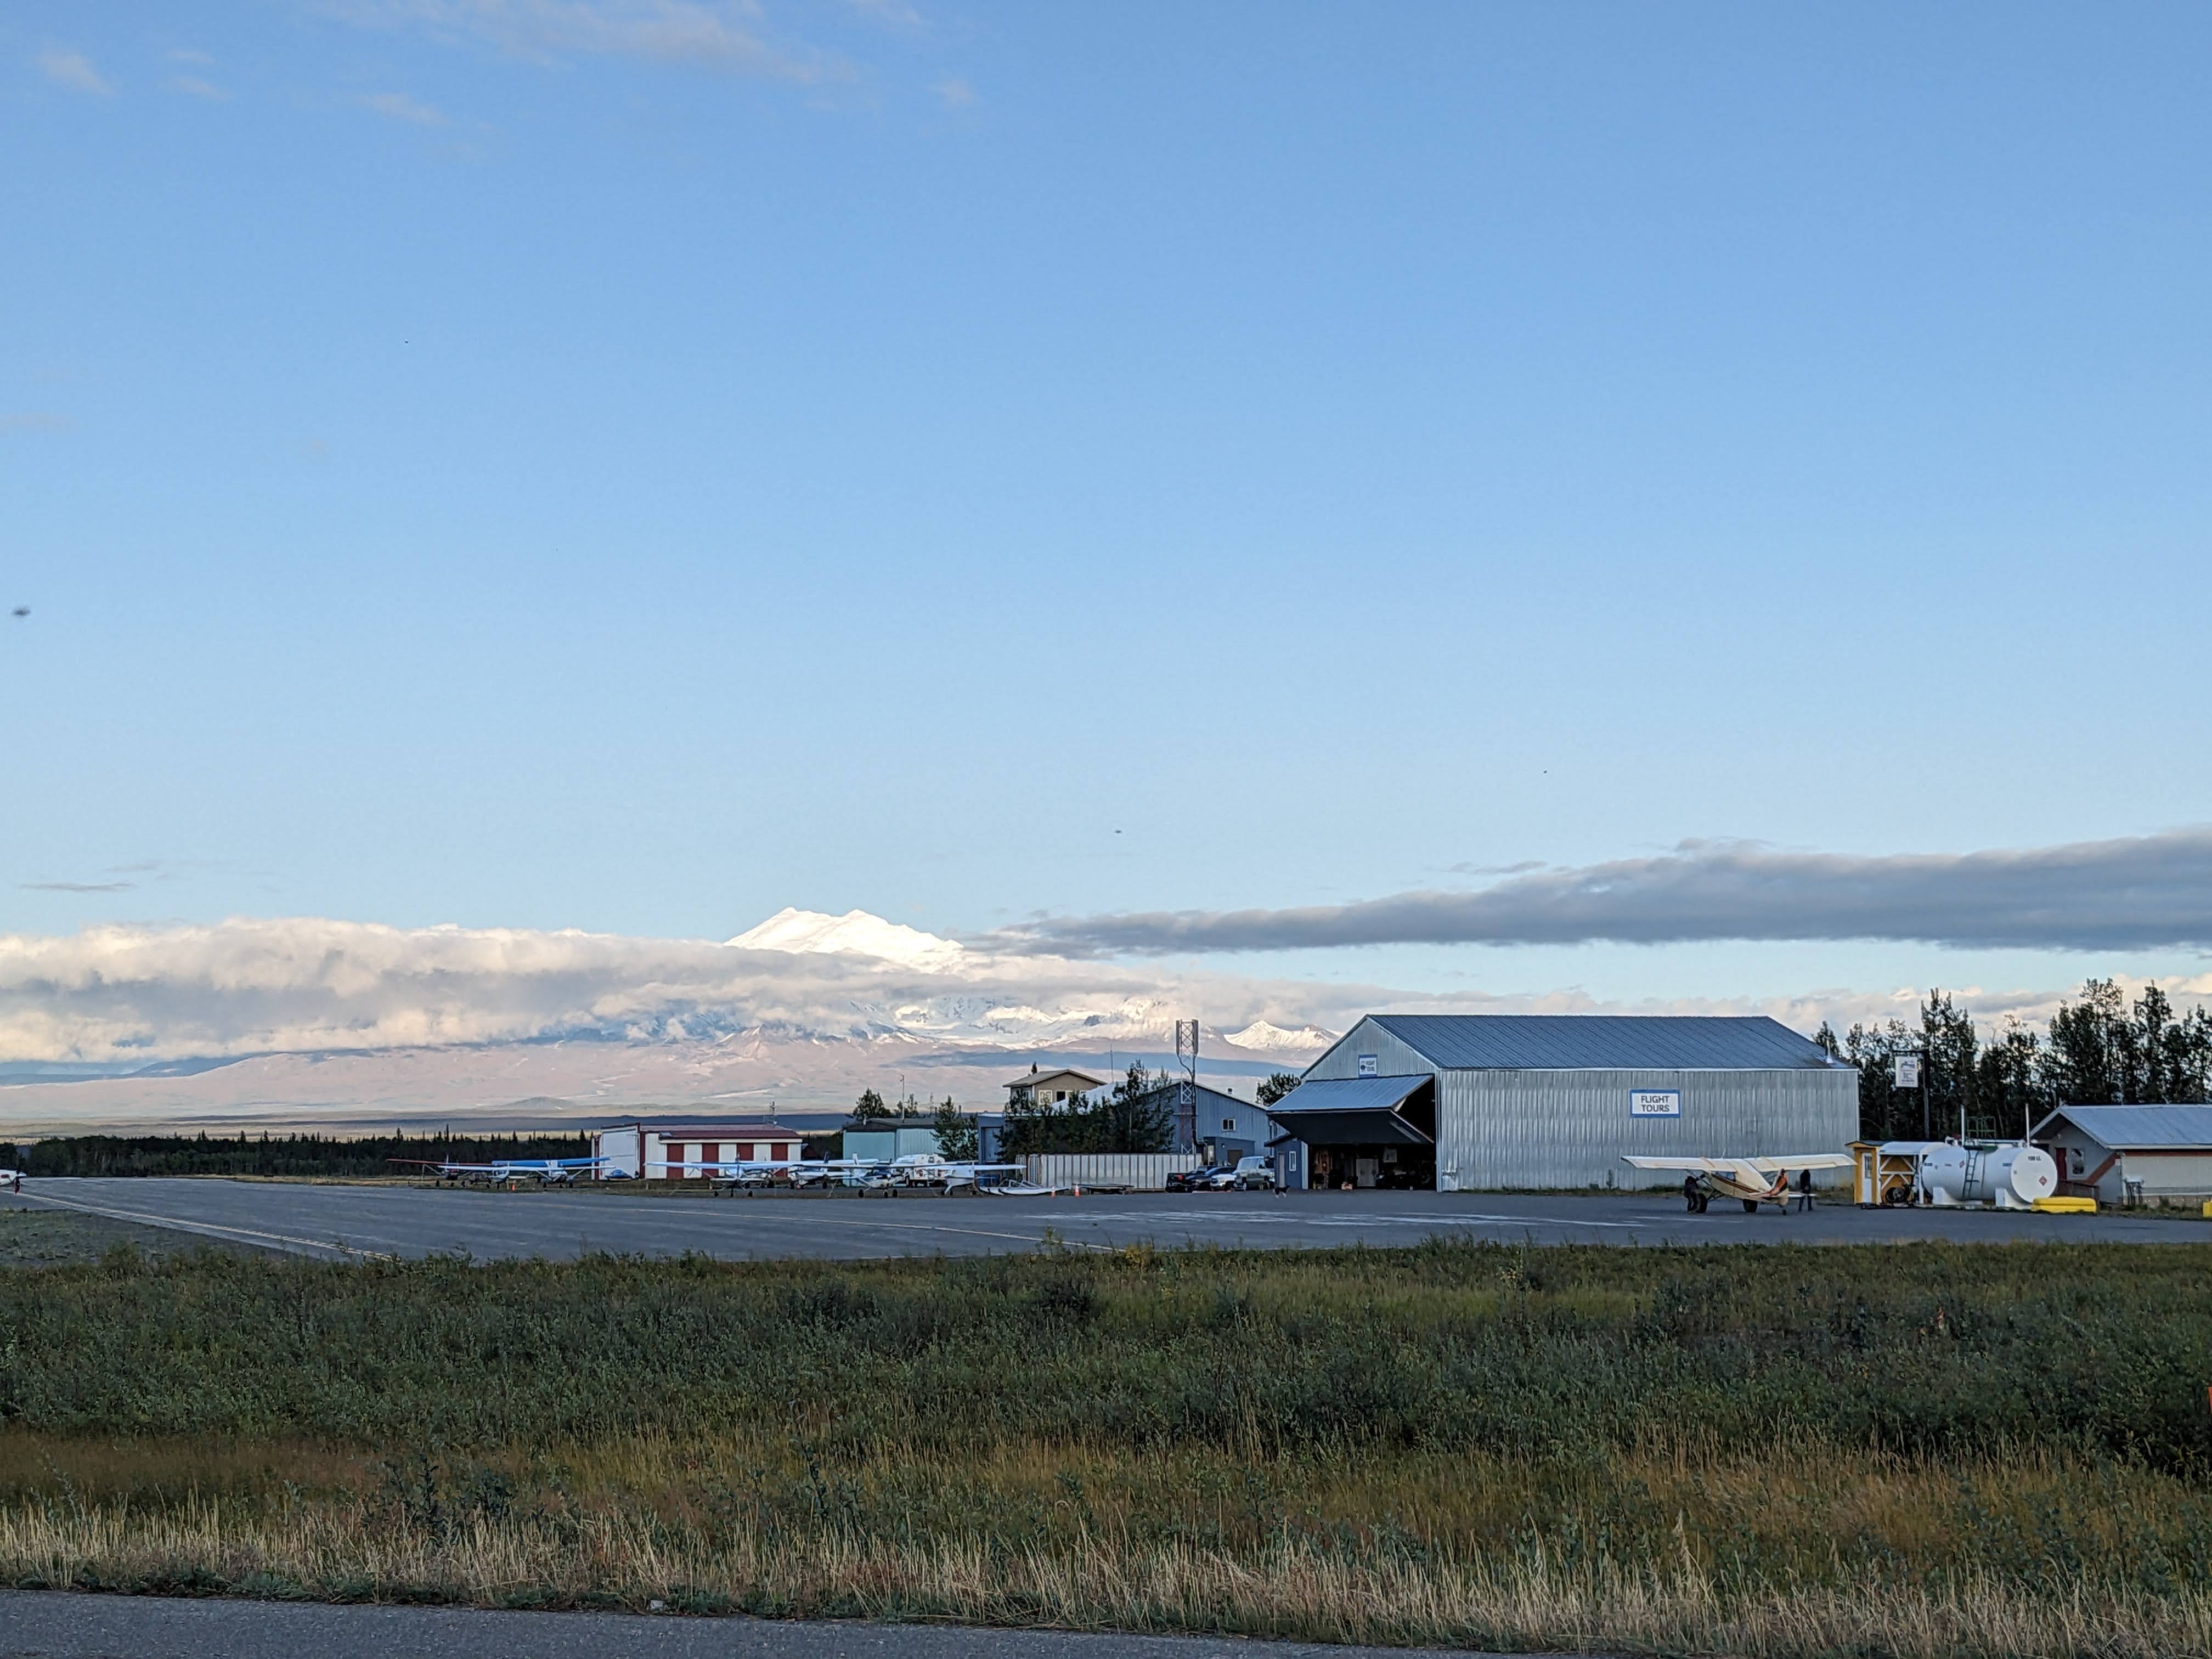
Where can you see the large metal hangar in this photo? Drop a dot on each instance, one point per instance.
(1463, 1101)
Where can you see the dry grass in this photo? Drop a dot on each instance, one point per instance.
(1772, 1452)
(1529, 1600)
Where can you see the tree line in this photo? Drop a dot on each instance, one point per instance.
(1136, 1115)
(2101, 1050)
(279, 1155)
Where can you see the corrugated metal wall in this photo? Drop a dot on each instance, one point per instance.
(1570, 1128)
(1392, 1057)
(1143, 1172)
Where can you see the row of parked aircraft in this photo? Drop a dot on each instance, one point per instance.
(913, 1169)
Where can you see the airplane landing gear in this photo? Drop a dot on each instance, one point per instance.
(1750, 1206)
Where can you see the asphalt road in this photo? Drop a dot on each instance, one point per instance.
(62, 1626)
(347, 1220)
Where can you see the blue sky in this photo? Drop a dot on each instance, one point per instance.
(635, 466)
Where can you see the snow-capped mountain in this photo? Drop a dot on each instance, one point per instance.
(1262, 1038)
(854, 933)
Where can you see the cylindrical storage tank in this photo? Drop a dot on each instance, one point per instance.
(1943, 1176)
(2019, 1175)
(2014, 1174)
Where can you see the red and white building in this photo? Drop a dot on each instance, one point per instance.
(662, 1152)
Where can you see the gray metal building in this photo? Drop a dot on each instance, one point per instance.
(2165, 1150)
(1472, 1101)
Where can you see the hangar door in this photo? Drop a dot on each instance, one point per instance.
(1359, 1132)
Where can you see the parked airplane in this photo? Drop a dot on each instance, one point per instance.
(510, 1172)
(873, 1174)
(729, 1174)
(1755, 1180)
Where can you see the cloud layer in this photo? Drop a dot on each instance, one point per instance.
(110, 994)
(352, 1018)
(2138, 893)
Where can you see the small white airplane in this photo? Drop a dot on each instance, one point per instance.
(929, 1170)
(1755, 1180)
(511, 1172)
(867, 1174)
(729, 1175)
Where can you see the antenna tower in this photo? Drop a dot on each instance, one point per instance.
(1187, 1091)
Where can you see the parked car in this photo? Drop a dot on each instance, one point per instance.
(1254, 1175)
(1195, 1180)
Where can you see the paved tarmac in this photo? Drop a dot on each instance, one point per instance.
(57, 1624)
(338, 1220)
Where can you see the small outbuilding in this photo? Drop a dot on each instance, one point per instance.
(2102, 1151)
(662, 1152)
(884, 1138)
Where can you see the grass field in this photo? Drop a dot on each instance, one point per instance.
(1919, 1450)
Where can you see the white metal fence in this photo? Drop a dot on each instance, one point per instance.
(1143, 1172)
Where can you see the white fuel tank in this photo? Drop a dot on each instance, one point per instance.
(2019, 1175)
(2011, 1177)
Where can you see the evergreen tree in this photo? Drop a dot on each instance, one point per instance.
(956, 1132)
(2085, 1065)
(1138, 1117)
(1274, 1088)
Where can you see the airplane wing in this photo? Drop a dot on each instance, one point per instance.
(1804, 1161)
(1737, 1166)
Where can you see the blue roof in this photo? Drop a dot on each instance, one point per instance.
(2125, 1128)
(1348, 1094)
(1638, 1043)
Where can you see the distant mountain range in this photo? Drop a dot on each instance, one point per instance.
(915, 1011)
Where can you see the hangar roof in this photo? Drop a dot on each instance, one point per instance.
(1348, 1094)
(2139, 1129)
(1349, 1111)
(1640, 1042)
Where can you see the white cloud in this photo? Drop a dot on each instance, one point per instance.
(713, 33)
(304, 985)
(192, 86)
(73, 69)
(955, 93)
(35, 421)
(186, 55)
(400, 106)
